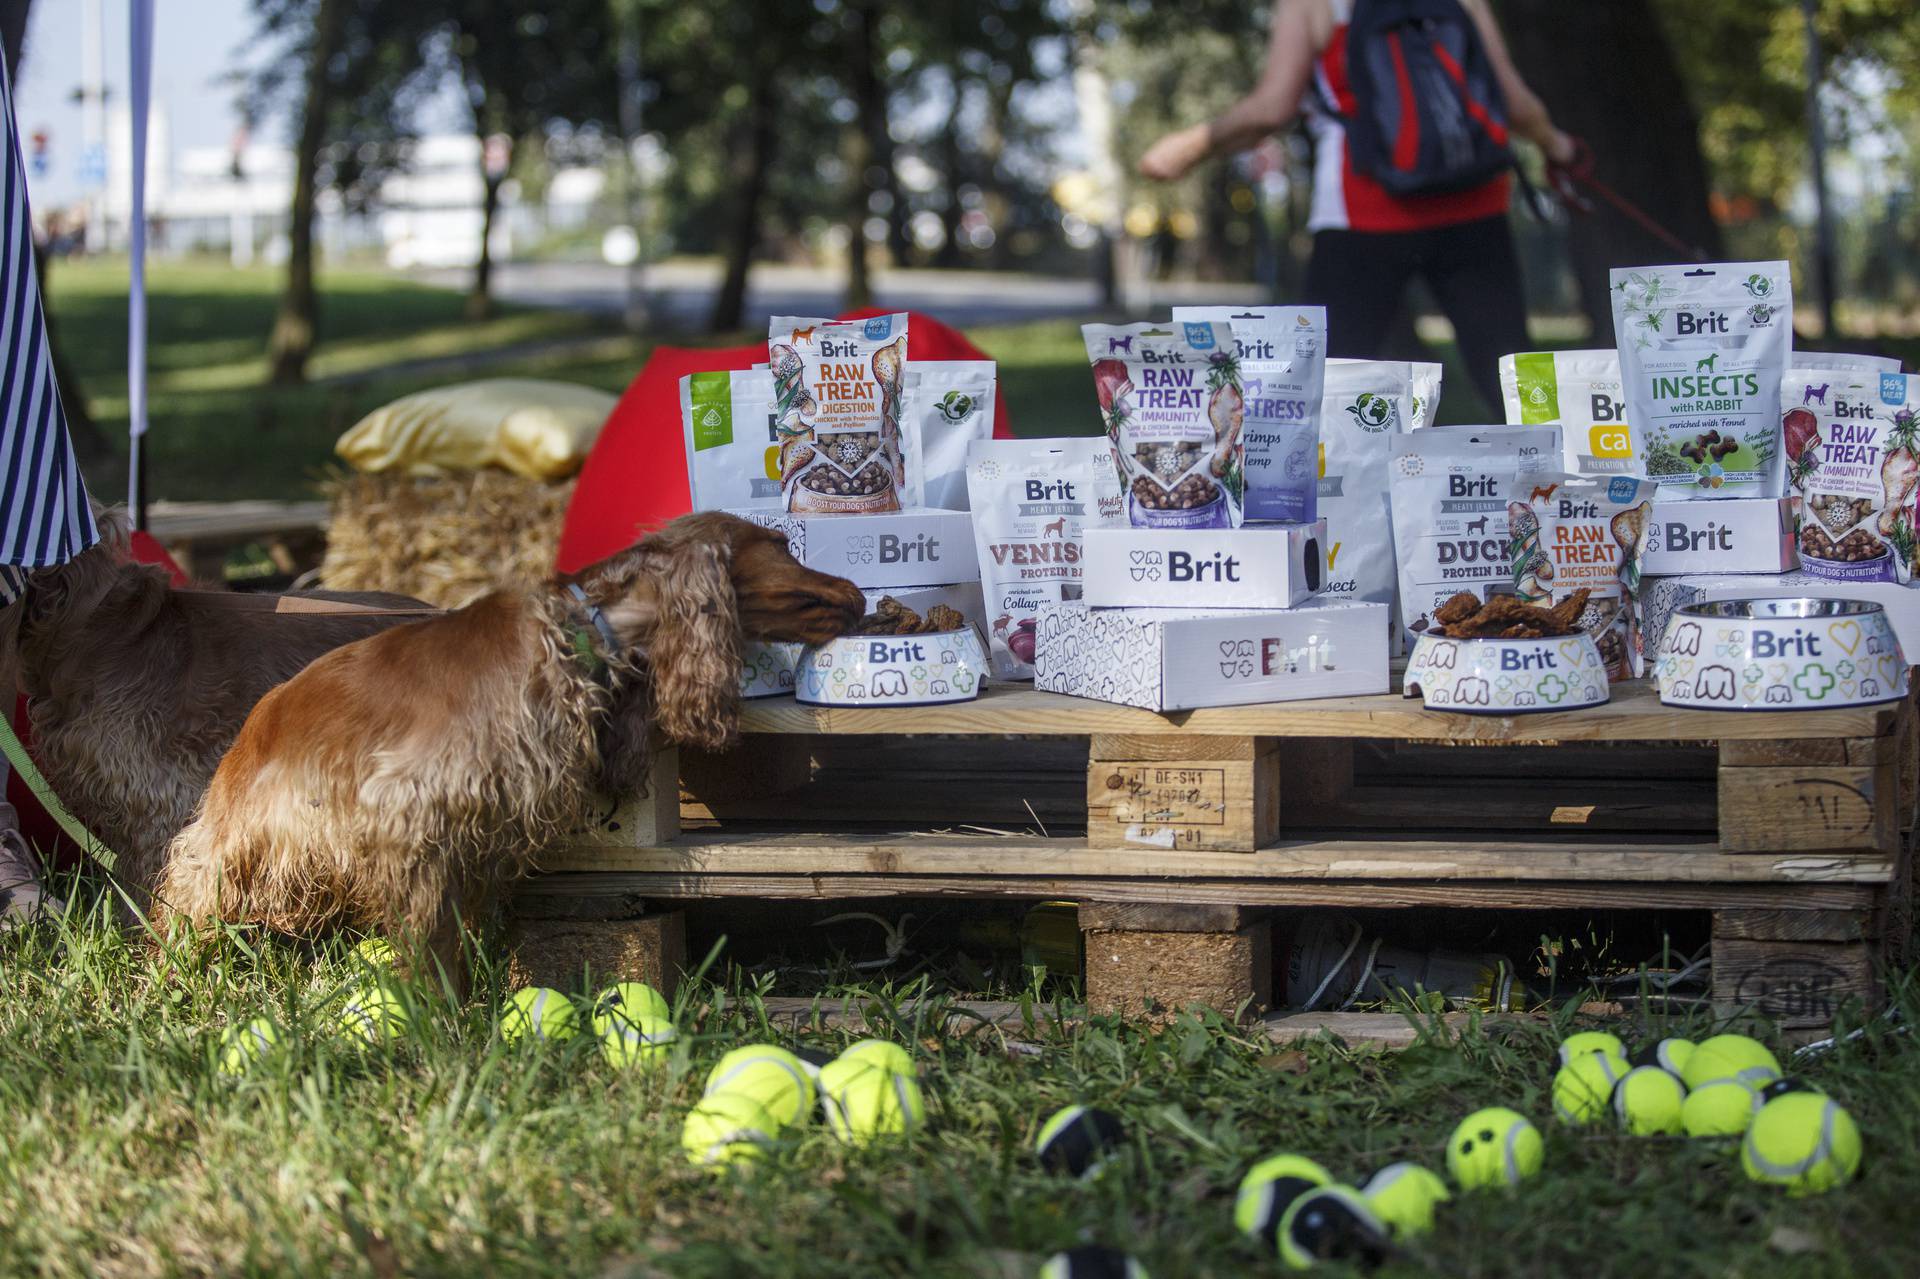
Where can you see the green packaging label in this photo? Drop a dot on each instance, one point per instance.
(1539, 388)
(711, 399)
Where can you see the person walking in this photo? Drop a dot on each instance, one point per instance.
(45, 517)
(1411, 106)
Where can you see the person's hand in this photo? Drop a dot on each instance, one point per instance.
(1561, 147)
(1172, 156)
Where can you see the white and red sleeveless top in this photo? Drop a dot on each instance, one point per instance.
(1345, 200)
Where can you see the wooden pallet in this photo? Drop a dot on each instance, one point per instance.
(1178, 833)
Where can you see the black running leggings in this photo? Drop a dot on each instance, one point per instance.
(1361, 278)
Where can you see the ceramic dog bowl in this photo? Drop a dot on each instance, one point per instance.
(1780, 654)
(1506, 676)
(894, 670)
(768, 667)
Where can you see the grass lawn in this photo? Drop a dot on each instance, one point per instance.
(126, 1152)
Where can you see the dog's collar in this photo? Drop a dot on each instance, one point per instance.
(594, 659)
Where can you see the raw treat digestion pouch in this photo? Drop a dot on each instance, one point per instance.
(837, 387)
(1578, 391)
(1283, 356)
(1702, 350)
(1570, 533)
(1450, 486)
(1032, 502)
(733, 458)
(1852, 445)
(949, 405)
(1171, 404)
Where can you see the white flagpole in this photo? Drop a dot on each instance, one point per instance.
(140, 56)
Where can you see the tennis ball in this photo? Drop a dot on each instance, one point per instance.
(1403, 1196)
(1590, 1041)
(1669, 1054)
(726, 1127)
(538, 1012)
(1268, 1188)
(632, 999)
(374, 952)
(1091, 1261)
(1722, 1108)
(634, 1041)
(1076, 1140)
(374, 1013)
(1802, 1141)
(1584, 1085)
(1648, 1102)
(1780, 1088)
(1331, 1223)
(863, 1102)
(886, 1055)
(1494, 1147)
(241, 1046)
(1730, 1057)
(771, 1076)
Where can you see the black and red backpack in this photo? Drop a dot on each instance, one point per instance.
(1428, 114)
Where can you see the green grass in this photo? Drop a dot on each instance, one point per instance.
(125, 1151)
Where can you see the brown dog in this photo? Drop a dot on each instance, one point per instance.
(398, 782)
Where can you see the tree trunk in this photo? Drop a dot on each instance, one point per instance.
(293, 328)
(1641, 126)
(752, 163)
(951, 166)
(863, 148)
(480, 296)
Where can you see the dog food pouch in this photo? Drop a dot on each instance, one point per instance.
(1843, 362)
(1852, 445)
(1283, 356)
(1449, 488)
(1364, 404)
(1427, 377)
(1569, 533)
(949, 406)
(1578, 391)
(1171, 404)
(1702, 350)
(1032, 501)
(733, 461)
(837, 389)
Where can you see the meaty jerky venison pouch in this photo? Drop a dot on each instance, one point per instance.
(1578, 391)
(949, 406)
(1283, 356)
(733, 459)
(1032, 502)
(1171, 403)
(1852, 445)
(837, 388)
(1450, 486)
(1569, 533)
(1702, 350)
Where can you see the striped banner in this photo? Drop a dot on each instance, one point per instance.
(44, 515)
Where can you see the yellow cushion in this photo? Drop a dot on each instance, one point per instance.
(541, 430)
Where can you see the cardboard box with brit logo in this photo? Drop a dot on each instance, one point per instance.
(1254, 566)
(1739, 535)
(921, 546)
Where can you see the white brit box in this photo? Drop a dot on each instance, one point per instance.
(1739, 535)
(1255, 566)
(1181, 659)
(914, 547)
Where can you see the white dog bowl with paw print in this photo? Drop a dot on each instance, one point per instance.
(1495, 676)
(1780, 655)
(768, 668)
(894, 670)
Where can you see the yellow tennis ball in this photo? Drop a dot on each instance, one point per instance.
(883, 1053)
(1091, 1261)
(635, 1041)
(862, 1102)
(374, 952)
(241, 1046)
(1268, 1188)
(1584, 1086)
(1494, 1147)
(538, 1012)
(1078, 1140)
(1670, 1055)
(632, 999)
(374, 1014)
(1331, 1223)
(1730, 1057)
(1590, 1041)
(1404, 1196)
(726, 1127)
(1723, 1108)
(1803, 1141)
(1649, 1101)
(771, 1076)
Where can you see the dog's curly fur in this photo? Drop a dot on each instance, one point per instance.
(398, 782)
(136, 688)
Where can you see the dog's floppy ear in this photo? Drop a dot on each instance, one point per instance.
(695, 649)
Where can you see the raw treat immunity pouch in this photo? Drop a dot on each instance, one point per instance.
(1853, 456)
(949, 406)
(1450, 487)
(1702, 350)
(1283, 353)
(837, 387)
(1171, 403)
(1032, 501)
(1570, 533)
(733, 459)
(1578, 391)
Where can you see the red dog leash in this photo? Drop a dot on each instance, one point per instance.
(1578, 172)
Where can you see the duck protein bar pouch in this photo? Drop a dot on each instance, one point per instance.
(1171, 404)
(1572, 533)
(733, 459)
(837, 388)
(949, 406)
(1578, 391)
(1283, 357)
(1032, 501)
(1364, 404)
(1853, 457)
(1450, 486)
(1702, 350)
